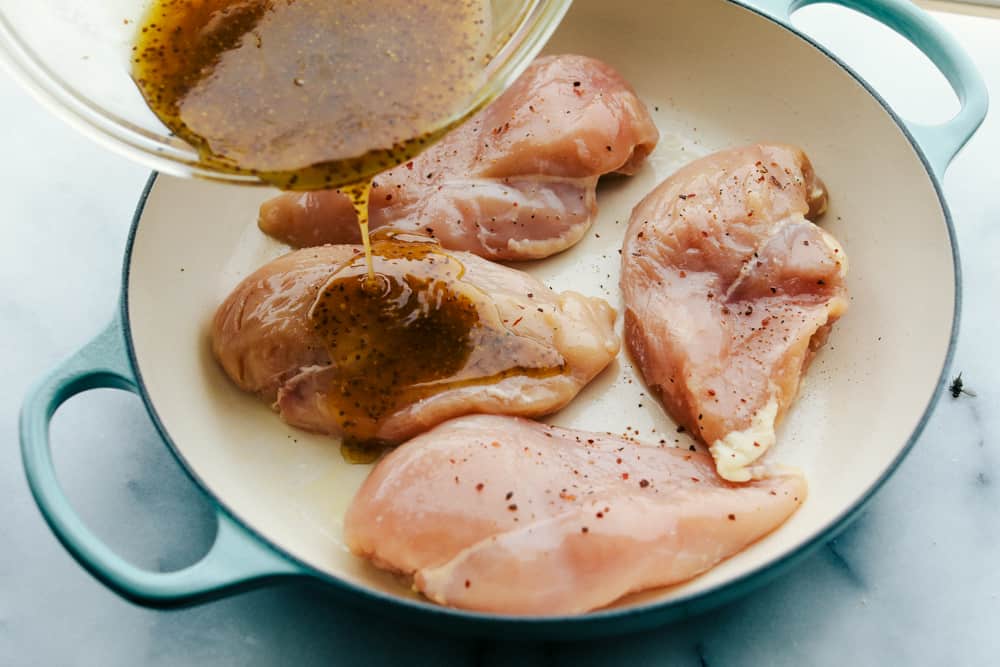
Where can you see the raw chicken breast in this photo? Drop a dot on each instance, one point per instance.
(510, 516)
(729, 292)
(517, 181)
(449, 334)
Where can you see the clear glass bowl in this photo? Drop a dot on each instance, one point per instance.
(75, 57)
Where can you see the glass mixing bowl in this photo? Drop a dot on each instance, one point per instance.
(75, 57)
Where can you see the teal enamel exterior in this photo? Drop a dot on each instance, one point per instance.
(241, 559)
(939, 143)
(236, 560)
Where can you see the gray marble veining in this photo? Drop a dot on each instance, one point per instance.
(914, 581)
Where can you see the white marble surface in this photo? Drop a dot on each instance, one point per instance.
(915, 581)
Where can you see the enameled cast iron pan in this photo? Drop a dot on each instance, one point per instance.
(281, 494)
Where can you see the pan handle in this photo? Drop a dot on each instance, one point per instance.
(237, 560)
(939, 143)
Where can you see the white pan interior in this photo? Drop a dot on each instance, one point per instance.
(717, 76)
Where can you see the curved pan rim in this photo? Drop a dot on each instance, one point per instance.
(278, 563)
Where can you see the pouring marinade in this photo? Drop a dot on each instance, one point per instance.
(441, 332)
(311, 94)
(322, 94)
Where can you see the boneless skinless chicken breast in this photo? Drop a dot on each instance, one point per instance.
(464, 335)
(730, 290)
(517, 181)
(507, 515)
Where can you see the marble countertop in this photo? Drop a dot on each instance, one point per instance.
(916, 580)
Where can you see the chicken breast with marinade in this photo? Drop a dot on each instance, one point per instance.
(438, 334)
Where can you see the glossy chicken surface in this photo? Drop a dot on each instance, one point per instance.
(507, 515)
(517, 181)
(730, 290)
(444, 334)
